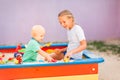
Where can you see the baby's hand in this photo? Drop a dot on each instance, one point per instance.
(50, 59)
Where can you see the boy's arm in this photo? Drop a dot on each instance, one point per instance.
(82, 46)
(63, 49)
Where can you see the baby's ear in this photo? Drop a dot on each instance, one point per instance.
(33, 34)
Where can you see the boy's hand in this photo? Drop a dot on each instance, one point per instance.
(68, 55)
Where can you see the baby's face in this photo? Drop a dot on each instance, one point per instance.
(40, 36)
(38, 33)
(66, 22)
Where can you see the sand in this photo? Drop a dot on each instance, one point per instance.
(110, 68)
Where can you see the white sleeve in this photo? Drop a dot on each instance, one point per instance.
(80, 33)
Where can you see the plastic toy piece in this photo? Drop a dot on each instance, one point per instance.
(22, 50)
(18, 59)
(1, 58)
(18, 47)
(2, 62)
(53, 60)
(2, 55)
(46, 45)
(18, 53)
(10, 60)
(67, 59)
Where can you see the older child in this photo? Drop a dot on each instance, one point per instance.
(33, 47)
(77, 42)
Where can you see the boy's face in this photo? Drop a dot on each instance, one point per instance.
(66, 22)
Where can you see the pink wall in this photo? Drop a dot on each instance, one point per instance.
(118, 29)
(100, 19)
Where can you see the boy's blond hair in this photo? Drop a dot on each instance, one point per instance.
(37, 29)
(66, 12)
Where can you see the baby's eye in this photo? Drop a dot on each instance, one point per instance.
(41, 35)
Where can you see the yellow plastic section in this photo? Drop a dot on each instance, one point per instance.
(76, 77)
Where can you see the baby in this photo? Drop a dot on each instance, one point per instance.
(33, 46)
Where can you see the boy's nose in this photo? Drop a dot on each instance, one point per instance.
(63, 25)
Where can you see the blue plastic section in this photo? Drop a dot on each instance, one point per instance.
(23, 46)
(36, 64)
(9, 47)
(91, 58)
(89, 54)
(59, 44)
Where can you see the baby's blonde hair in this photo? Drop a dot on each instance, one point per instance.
(37, 29)
(66, 13)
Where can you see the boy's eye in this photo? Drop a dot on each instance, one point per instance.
(63, 21)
